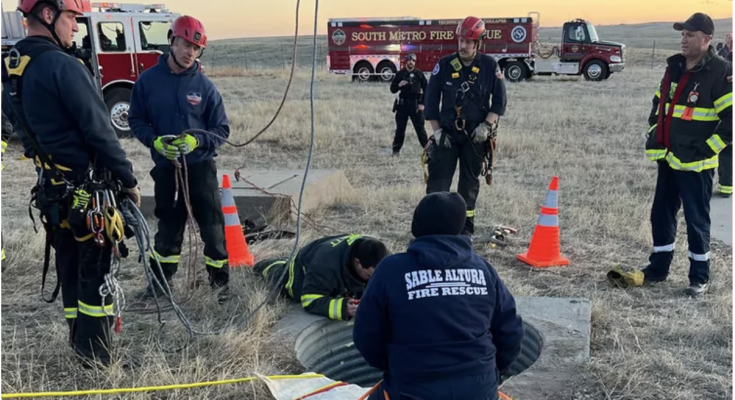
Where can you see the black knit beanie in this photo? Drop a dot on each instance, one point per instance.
(439, 213)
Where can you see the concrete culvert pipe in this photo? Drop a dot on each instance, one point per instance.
(326, 347)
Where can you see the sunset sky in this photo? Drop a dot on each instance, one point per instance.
(238, 18)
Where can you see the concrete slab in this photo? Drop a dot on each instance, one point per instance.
(266, 196)
(564, 324)
(721, 216)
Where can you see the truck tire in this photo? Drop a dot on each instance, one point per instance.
(386, 71)
(363, 72)
(595, 71)
(515, 71)
(118, 107)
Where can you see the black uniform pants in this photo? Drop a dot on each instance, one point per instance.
(271, 270)
(81, 266)
(443, 164)
(725, 170)
(206, 204)
(403, 113)
(693, 190)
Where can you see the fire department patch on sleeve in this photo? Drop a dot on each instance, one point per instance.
(436, 69)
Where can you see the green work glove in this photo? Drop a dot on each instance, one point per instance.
(163, 145)
(187, 144)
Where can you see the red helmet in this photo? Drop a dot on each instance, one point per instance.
(189, 29)
(75, 6)
(471, 28)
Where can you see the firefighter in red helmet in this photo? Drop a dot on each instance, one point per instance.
(464, 101)
(65, 128)
(168, 99)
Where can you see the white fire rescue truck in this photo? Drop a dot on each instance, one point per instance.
(117, 42)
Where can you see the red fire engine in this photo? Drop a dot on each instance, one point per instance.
(117, 42)
(374, 48)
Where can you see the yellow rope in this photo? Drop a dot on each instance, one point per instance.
(152, 388)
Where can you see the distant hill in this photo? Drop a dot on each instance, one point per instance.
(642, 35)
(275, 52)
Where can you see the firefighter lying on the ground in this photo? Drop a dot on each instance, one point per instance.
(328, 275)
(168, 99)
(437, 319)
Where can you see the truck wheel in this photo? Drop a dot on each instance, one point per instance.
(386, 71)
(515, 71)
(363, 72)
(118, 106)
(595, 71)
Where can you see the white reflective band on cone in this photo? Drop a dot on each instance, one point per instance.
(548, 220)
(552, 199)
(227, 198)
(232, 220)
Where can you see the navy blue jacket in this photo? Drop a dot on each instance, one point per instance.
(448, 76)
(62, 106)
(166, 103)
(438, 311)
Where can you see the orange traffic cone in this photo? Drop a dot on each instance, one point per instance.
(544, 250)
(237, 247)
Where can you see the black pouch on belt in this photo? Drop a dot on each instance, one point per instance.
(50, 206)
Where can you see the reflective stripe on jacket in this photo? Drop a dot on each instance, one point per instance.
(693, 144)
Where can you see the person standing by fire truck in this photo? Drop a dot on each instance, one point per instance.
(468, 86)
(411, 82)
(168, 99)
(67, 131)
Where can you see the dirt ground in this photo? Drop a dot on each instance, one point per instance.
(647, 343)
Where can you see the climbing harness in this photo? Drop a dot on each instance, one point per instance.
(465, 90)
(500, 235)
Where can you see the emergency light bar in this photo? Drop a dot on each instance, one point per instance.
(129, 7)
(373, 19)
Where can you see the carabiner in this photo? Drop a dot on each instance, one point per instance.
(457, 122)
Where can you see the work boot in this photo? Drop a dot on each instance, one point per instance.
(224, 294)
(396, 153)
(695, 289)
(152, 290)
(651, 276)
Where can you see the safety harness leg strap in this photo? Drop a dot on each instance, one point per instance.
(46, 262)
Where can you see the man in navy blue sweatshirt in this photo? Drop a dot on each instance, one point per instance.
(437, 319)
(169, 99)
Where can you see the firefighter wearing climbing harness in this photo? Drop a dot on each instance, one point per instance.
(465, 83)
(437, 320)
(82, 171)
(685, 140)
(168, 99)
(411, 83)
(328, 275)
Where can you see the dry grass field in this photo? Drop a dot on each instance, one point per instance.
(647, 343)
